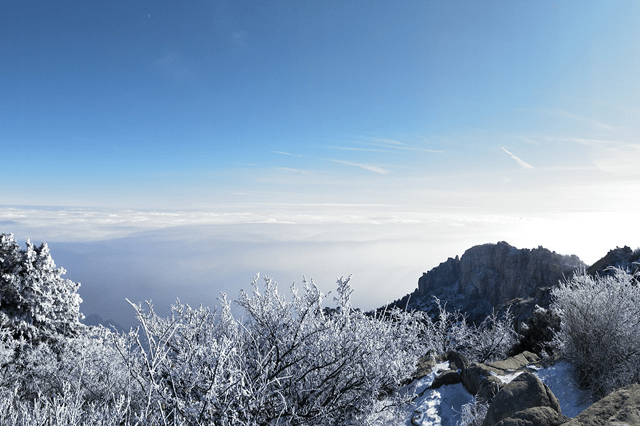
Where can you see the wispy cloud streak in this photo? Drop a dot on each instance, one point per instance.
(576, 117)
(287, 153)
(368, 167)
(288, 169)
(520, 162)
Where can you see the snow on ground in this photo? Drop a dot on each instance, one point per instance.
(436, 406)
(442, 406)
(562, 381)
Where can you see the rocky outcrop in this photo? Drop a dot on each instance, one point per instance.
(525, 397)
(489, 276)
(623, 258)
(515, 396)
(482, 380)
(621, 407)
(486, 380)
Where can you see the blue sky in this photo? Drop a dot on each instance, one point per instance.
(479, 121)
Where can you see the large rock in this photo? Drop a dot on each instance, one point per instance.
(536, 416)
(524, 392)
(486, 380)
(489, 275)
(621, 407)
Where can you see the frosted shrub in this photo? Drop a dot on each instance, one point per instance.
(86, 366)
(186, 366)
(489, 341)
(288, 362)
(449, 332)
(320, 368)
(600, 328)
(473, 413)
(493, 339)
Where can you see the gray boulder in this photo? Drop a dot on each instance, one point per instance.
(536, 416)
(485, 380)
(621, 407)
(450, 377)
(524, 392)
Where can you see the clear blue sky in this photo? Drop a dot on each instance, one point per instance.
(323, 112)
(139, 104)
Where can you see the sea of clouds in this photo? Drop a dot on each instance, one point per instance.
(195, 255)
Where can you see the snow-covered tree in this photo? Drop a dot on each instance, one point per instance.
(35, 301)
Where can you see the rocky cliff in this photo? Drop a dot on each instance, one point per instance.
(489, 275)
(624, 258)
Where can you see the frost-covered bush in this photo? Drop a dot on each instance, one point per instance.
(473, 413)
(87, 366)
(490, 341)
(493, 339)
(35, 301)
(600, 328)
(287, 362)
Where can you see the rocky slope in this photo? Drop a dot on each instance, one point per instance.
(489, 276)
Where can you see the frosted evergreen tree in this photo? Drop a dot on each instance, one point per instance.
(35, 301)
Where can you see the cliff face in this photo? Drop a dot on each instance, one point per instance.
(489, 275)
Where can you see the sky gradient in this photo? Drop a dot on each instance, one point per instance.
(398, 134)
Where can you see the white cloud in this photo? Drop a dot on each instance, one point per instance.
(368, 144)
(288, 169)
(368, 167)
(619, 160)
(387, 141)
(576, 117)
(521, 163)
(287, 153)
(614, 157)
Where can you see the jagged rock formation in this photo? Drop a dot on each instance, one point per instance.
(490, 275)
(624, 258)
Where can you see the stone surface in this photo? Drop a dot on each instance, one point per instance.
(489, 275)
(485, 380)
(517, 362)
(621, 407)
(457, 361)
(524, 392)
(478, 380)
(450, 377)
(536, 416)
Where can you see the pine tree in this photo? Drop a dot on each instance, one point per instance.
(36, 303)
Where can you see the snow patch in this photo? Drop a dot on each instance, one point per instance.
(436, 407)
(423, 383)
(507, 378)
(562, 381)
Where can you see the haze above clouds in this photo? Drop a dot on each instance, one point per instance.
(176, 149)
